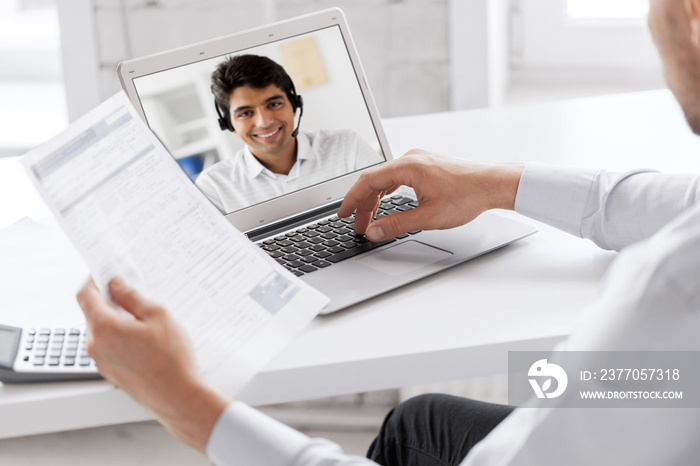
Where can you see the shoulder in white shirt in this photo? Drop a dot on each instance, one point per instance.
(649, 301)
(321, 155)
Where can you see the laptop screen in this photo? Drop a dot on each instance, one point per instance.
(281, 143)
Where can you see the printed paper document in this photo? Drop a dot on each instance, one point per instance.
(131, 211)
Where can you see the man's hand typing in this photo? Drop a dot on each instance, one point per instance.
(450, 193)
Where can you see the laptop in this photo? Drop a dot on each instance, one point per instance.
(291, 216)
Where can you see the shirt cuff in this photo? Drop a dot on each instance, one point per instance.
(554, 195)
(243, 435)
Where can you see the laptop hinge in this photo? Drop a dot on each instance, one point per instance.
(291, 222)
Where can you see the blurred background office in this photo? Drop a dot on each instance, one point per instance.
(420, 56)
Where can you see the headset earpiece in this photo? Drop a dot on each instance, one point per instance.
(300, 105)
(224, 121)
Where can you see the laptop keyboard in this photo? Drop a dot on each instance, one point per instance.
(329, 241)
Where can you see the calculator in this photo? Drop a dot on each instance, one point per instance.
(44, 354)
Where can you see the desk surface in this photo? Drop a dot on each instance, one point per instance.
(456, 324)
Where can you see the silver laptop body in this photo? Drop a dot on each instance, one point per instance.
(171, 92)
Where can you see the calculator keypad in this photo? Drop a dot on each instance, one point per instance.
(55, 349)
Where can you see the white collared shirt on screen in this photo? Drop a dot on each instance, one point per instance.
(321, 155)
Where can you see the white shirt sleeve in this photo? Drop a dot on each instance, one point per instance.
(649, 302)
(613, 210)
(245, 436)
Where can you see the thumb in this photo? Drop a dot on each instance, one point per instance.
(131, 300)
(393, 225)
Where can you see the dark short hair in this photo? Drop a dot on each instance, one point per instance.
(248, 70)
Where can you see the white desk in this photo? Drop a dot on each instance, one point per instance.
(457, 324)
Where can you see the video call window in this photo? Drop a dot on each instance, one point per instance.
(336, 133)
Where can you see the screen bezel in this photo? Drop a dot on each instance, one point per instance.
(306, 199)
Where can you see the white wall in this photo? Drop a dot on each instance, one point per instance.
(403, 44)
(498, 49)
(420, 56)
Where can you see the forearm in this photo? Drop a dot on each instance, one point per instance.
(613, 210)
(502, 185)
(190, 411)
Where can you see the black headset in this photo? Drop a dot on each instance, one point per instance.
(294, 98)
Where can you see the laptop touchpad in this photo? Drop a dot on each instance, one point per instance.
(403, 258)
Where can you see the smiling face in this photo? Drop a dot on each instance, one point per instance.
(264, 120)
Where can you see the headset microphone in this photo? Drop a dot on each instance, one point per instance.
(300, 106)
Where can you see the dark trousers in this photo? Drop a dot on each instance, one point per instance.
(434, 430)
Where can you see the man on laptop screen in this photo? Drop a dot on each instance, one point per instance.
(257, 100)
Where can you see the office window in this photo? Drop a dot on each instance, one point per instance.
(597, 36)
(586, 46)
(31, 80)
(29, 41)
(607, 9)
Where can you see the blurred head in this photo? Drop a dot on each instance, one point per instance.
(675, 28)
